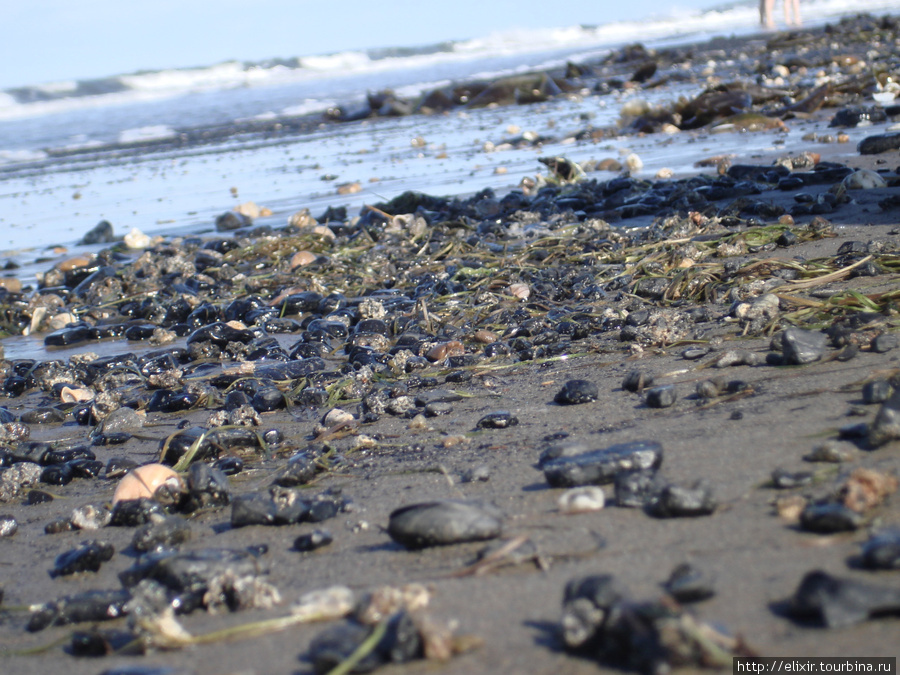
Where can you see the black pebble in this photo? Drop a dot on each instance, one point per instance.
(577, 391)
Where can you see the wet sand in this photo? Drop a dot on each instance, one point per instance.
(757, 558)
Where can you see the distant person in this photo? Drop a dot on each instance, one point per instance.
(766, 8)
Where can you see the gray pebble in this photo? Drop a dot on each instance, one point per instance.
(885, 343)
(443, 522)
(802, 346)
(878, 391)
(663, 396)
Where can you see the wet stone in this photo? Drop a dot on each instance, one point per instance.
(477, 474)
(575, 392)
(687, 583)
(663, 396)
(800, 346)
(886, 425)
(335, 644)
(87, 606)
(882, 550)
(834, 602)
(90, 517)
(500, 419)
(86, 558)
(877, 391)
(443, 522)
(57, 474)
(134, 512)
(17, 477)
(299, 470)
(161, 532)
(207, 487)
(37, 497)
(43, 416)
(635, 489)
(636, 381)
(885, 342)
(784, 480)
(313, 540)
(438, 409)
(676, 501)
(277, 506)
(829, 517)
(601, 466)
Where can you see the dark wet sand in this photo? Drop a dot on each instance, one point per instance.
(757, 558)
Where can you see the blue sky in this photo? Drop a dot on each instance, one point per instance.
(56, 40)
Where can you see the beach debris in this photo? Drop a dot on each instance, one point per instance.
(597, 467)
(388, 625)
(601, 621)
(834, 602)
(443, 522)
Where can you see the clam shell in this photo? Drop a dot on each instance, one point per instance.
(144, 481)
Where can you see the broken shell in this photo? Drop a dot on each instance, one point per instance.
(70, 395)
(136, 239)
(144, 481)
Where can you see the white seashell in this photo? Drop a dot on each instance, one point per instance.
(582, 500)
(520, 291)
(136, 239)
(144, 481)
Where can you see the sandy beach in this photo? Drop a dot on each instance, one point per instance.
(716, 261)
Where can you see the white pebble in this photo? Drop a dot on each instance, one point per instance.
(582, 500)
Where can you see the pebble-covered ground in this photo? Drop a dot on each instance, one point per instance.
(634, 423)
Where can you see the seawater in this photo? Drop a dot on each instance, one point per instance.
(64, 165)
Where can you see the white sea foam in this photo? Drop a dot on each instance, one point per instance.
(142, 134)
(17, 156)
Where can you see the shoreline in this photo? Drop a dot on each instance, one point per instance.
(454, 308)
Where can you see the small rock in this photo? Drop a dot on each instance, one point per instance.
(480, 473)
(675, 501)
(636, 381)
(885, 343)
(313, 540)
(91, 517)
(838, 603)
(829, 517)
(877, 391)
(443, 522)
(500, 419)
(601, 466)
(86, 558)
(784, 480)
(831, 451)
(802, 346)
(886, 425)
(575, 392)
(663, 396)
(882, 551)
(689, 584)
